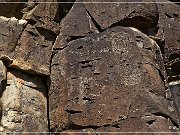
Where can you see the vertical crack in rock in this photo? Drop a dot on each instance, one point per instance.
(48, 82)
(172, 87)
(62, 11)
(94, 22)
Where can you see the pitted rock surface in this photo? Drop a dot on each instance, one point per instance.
(24, 104)
(81, 66)
(126, 14)
(106, 78)
(76, 24)
(169, 33)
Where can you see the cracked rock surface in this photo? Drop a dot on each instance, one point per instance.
(89, 67)
(24, 104)
(107, 78)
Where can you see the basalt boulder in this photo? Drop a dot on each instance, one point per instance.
(108, 78)
(85, 18)
(137, 13)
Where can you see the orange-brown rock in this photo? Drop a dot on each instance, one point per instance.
(24, 103)
(107, 78)
(89, 66)
(138, 13)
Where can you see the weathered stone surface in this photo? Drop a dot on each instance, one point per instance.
(23, 49)
(11, 29)
(138, 15)
(33, 52)
(169, 34)
(2, 72)
(107, 78)
(38, 37)
(105, 75)
(169, 31)
(175, 92)
(92, 17)
(76, 24)
(130, 126)
(24, 104)
(45, 15)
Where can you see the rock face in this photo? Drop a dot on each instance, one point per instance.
(106, 79)
(169, 31)
(126, 14)
(11, 29)
(24, 103)
(80, 66)
(73, 26)
(169, 34)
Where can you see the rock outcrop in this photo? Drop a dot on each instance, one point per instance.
(108, 78)
(24, 103)
(169, 34)
(124, 14)
(80, 66)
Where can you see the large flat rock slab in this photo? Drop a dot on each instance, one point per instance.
(107, 78)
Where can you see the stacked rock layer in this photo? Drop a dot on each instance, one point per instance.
(81, 66)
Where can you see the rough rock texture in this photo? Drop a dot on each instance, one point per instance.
(168, 36)
(175, 91)
(74, 66)
(76, 24)
(11, 29)
(107, 78)
(126, 14)
(26, 46)
(82, 19)
(24, 104)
